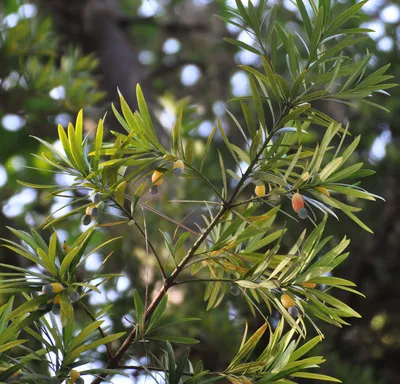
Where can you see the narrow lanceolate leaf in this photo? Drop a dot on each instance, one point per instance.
(91, 346)
(120, 193)
(330, 168)
(65, 143)
(248, 347)
(98, 143)
(144, 110)
(305, 17)
(11, 344)
(176, 137)
(79, 127)
(315, 376)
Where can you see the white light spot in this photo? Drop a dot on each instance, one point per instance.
(112, 295)
(17, 163)
(58, 209)
(371, 6)
(385, 44)
(377, 26)
(120, 379)
(62, 235)
(64, 180)
(378, 148)
(219, 108)
(247, 57)
(12, 122)
(11, 80)
(3, 176)
(128, 320)
(146, 57)
(232, 3)
(201, 3)
(15, 205)
(190, 75)
(63, 119)
(11, 20)
(171, 46)
(123, 283)
(167, 118)
(205, 128)
(233, 28)
(93, 262)
(27, 11)
(57, 93)
(150, 8)
(240, 84)
(97, 298)
(390, 14)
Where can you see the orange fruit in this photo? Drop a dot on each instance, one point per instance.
(287, 301)
(297, 202)
(157, 177)
(259, 190)
(308, 285)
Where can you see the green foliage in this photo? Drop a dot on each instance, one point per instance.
(239, 245)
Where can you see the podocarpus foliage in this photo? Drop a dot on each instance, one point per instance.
(237, 248)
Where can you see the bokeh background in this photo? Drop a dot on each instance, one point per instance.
(59, 56)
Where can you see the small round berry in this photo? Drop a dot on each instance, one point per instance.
(287, 301)
(157, 177)
(94, 212)
(154, 190)
(55, 308)
(74, 297)
(294, 312)
(308, 285)
(47, 289)
(303, 213)
(259, 190)
(86, 220)
(322, 190)
(97, 197)
(178, 168)
(235, 291)
(297, 202)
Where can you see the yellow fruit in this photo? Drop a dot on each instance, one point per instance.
(322, 190)
(179, 164)
(89, 209)
(56, 300)
(157, 177)
(259, 190)
(287, 301)
(297, 202)
(74, 375)
(57, 287)
(308, 285)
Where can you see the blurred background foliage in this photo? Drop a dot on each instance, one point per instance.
(57, 57)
